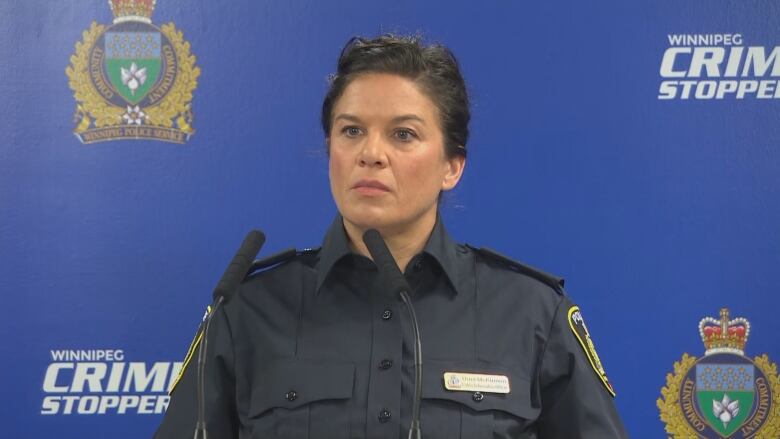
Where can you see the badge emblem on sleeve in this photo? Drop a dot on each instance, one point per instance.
(723, 394)
(133, 80)
(577, 325)
(190, 351)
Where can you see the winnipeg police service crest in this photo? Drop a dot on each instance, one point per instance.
(133, 80)
(723, 394)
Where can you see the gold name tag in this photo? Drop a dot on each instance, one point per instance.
(476, 382)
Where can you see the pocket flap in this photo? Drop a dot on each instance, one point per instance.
(517, 402)
(292, 383)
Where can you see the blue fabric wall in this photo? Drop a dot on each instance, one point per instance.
(657, 212)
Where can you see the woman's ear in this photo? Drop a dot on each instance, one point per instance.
(453, 172)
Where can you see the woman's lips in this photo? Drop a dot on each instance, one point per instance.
(370, 187)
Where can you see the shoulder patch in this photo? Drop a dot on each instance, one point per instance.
(551, 280)
(577, 325)
(278, 258)
(190, 351)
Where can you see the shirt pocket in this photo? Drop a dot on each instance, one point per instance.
(298, 399)
(460, 414)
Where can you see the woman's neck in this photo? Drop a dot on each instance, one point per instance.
(403, 244)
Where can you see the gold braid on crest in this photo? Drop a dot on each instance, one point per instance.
(92, 104)
(669, 404)
(771, 429)
(177, 101)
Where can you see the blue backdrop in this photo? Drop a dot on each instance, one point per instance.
(658, 212)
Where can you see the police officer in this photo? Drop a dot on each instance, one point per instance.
(313, 346)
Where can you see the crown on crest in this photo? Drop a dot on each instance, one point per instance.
(724, 335)
(132, 10)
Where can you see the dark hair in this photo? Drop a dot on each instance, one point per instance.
(434, 68)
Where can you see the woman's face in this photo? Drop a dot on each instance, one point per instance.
(387, 160)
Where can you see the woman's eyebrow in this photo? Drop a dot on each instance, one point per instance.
(349, 117)
(397, 119)
(406, 117)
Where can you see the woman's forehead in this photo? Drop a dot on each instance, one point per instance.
(384, 96)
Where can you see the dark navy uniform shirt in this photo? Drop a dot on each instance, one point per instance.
(316, 348)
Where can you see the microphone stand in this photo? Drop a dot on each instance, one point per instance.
(224, 290)
(414, 429)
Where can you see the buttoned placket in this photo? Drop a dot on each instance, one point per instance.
(384, 389)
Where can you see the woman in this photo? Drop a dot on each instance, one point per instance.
(316, 347)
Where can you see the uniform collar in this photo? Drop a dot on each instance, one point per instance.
(440, 246)
(445, 251)
(334, 247)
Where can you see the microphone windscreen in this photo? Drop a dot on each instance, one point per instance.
(395, 280)
(240, 264)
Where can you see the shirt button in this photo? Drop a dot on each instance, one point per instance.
(384, 416)
(477, 396)
(386, 364)
(418, 265)
(387, 314)
(292, 395)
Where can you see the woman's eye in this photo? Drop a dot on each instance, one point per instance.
(351, 131)
(405, 135)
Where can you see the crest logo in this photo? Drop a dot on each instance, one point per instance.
(133, 80)
(723, 394)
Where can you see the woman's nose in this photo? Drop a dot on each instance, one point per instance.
(373, 152)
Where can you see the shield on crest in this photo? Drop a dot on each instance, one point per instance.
(133, 62)
(725, 394)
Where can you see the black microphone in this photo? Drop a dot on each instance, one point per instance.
(397, 284)
(223, 292)
(236, 271)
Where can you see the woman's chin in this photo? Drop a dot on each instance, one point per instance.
(368, 218)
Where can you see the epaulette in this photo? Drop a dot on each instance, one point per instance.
(555, 282)
(271, 261)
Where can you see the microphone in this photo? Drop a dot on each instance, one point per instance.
(236, 271)
(226, 288)
(397, 284)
